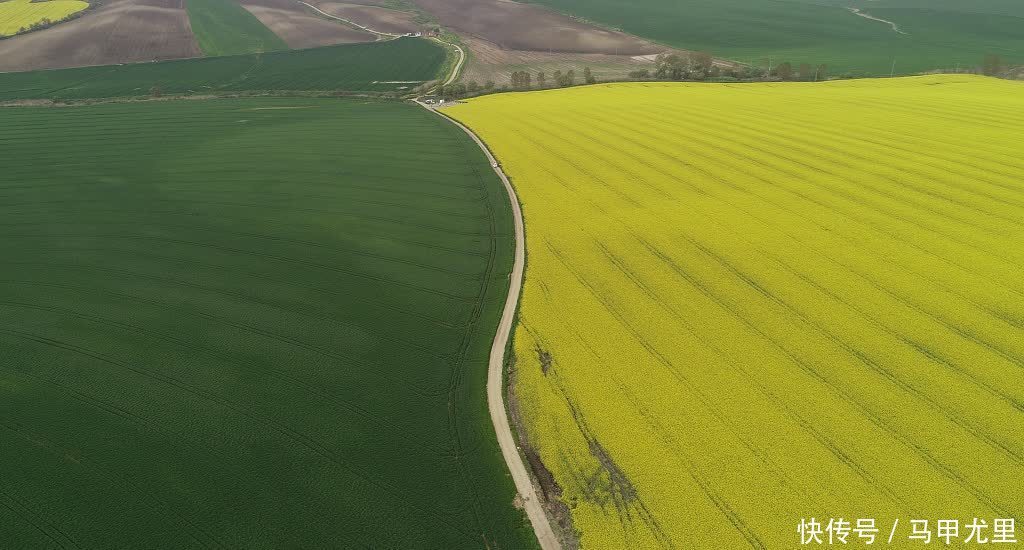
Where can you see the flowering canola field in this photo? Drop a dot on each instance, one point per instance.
(16, 15)
(750, 304)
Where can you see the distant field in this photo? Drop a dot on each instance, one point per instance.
(254, 323)
(937, 34)
(223, 27)
(378, 67)
(521, 26)
(18, 15)
(301, 27)
(488, 62)
(115, 31)
(750, 304)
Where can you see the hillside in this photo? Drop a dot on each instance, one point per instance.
(133, 31)
(929, 35)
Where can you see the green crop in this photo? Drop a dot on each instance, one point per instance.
(258, 323)
(377, 67)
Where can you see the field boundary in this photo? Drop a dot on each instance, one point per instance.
(457, 69)
(496, 363)
(380, 34)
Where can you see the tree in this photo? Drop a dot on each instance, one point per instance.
(527, 80)
(472, 87)
(701, 63)
(451, 92)
(821, 73)
(570, 77)
(785, 71)
(556, 78)
(660, 67)
(754, 72)
(670, 66)
(489, 85)
(806, 72)
(588, 76)
(542, 79)
(992, 65)
(519, 80)
(642, 74)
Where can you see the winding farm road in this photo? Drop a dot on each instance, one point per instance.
(458, 65)
(496, 364)
(865, 15)
(353, 23)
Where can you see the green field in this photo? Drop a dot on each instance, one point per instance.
(372, 67)
(223, 27)
(938, 34)
(249, 323)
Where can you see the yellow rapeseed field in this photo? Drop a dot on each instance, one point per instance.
(16, 15)
(752, 304)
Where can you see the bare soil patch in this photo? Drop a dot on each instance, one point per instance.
(119, 31)
(516, 26)
(374, 17)
(299, 27)
(490, 62)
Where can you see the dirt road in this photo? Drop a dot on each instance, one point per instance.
(496, 366)
(857, 11)
(458, 64)
(353, 23)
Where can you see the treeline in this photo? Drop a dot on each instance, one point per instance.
(43, 23)
(699, 66)
(694, 66)
(46, 23)
(994, 65)
(519, 80)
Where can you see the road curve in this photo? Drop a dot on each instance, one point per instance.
(458, 66)
(353, 23)
(496, 364)
(382, 34)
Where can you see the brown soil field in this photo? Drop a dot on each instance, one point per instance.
(515, 26)
(488, 61)
(119, 31)
(300, 27)
(376, 18)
